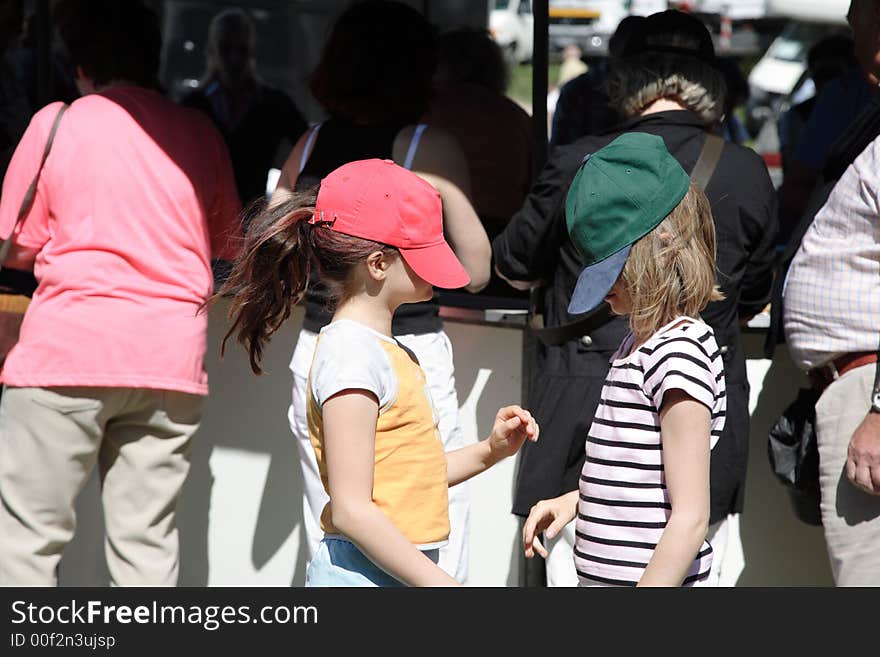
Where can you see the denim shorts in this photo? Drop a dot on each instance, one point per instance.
(339, 562)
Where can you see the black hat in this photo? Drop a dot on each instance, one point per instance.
(674, 32)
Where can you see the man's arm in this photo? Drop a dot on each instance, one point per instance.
(527, 249)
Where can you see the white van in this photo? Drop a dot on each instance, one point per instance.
(785, 61)
(783, 68)
(512, 26)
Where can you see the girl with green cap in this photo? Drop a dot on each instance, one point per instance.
(648, 242)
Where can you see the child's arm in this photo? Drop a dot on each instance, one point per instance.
(290, 169)
(513, 425)
(548, 516)
(349, 442)
(685, 427)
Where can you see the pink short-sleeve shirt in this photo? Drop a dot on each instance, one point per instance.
(136, 197)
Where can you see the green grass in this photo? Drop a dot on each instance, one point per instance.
(520, 87)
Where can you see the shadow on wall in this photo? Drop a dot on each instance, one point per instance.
(244, 428)
(487, 376)
(240, 516)
(779, 549)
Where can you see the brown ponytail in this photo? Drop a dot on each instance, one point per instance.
(271, 274)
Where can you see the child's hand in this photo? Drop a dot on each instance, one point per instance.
(548, 516)
(513, 425)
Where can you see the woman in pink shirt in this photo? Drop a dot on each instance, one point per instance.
(135, 199)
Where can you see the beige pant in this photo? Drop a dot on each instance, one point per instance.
(851, 518)
(52, 438)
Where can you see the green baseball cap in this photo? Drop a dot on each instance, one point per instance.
(620, 194)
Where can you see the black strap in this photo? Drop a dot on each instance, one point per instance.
(31, 192)
(556, 335)
(15, 281)
(700, 176)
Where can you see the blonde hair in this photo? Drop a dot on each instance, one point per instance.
(671, 270)
(634, 84)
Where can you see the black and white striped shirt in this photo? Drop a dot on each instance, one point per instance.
(624, 504)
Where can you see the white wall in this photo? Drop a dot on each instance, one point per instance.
(241, 517)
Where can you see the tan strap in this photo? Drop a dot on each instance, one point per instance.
(13, 303)
(708, 160)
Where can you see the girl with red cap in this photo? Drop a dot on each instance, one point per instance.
(375, 233)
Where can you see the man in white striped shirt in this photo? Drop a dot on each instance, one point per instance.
(832, 326)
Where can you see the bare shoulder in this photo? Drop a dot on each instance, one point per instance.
(435, 141)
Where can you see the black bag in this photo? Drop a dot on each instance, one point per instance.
(794, 455)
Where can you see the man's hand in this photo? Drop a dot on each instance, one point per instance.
(863, 455)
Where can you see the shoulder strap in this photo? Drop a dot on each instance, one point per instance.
(557, 335)
(28, 200)
(414, 145)
(32, 189)
(708, 161)
(309, 145)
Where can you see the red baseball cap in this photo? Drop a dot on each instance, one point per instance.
(381, 201)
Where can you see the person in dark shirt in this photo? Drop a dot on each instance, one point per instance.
(494, 132)
(253, 117)
(667, 87)
(737, 95)
(804, 139)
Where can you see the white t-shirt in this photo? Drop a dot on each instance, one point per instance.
(349, 356)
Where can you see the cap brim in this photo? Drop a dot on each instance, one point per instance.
(596, 281)
(438, 265)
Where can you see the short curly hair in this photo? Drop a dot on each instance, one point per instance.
(112, 39)
(467, 54)
(378, 64)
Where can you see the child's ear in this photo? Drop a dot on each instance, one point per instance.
(377, 266)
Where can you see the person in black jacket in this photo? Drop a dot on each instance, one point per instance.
(668, 87)
(254, 118)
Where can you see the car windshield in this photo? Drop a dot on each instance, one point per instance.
(795, 41)
(502, 4)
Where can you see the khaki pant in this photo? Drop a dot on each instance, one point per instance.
(52, 438)
(851, 518)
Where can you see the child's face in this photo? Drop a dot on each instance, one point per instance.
(618, 298)
(406, 286)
